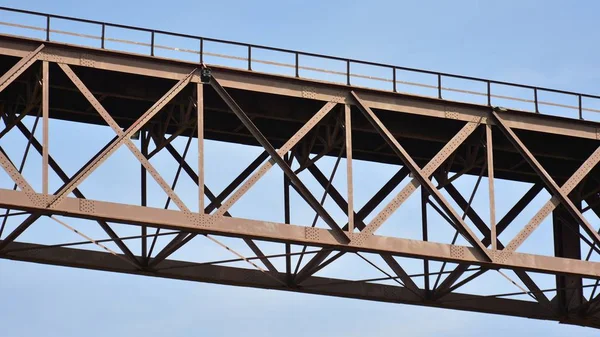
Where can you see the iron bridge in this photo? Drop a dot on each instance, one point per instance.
(155, 89)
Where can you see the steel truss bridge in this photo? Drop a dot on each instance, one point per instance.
(432, 137)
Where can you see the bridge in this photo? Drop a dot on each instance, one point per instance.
(156, 94)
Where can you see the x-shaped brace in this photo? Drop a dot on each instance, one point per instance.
(560, 194)
(460, 225)
(277, 157)
(124, 136)
(427, 171)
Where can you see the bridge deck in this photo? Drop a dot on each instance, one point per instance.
(281, 105)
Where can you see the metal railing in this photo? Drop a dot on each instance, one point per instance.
(348, 75)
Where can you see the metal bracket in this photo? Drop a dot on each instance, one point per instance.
(85, 60)
(205, 75)
(451, 115)
(86, 206)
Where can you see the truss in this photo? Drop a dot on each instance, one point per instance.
(307, 250)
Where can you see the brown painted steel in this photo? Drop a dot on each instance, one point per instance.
(439, 138)
(45, 112)
(276, 157)
(314, 285)
(461, 226)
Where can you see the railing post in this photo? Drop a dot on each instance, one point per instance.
(201, 50)
(489, 93)
(103, 34)
(580, 108)
(47, 27)
(394, 78)
(535, 99)
(297, 65)
(249, 58)
(439, 86)
(348, 72)
(152, 44)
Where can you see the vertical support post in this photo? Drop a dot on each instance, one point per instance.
(489, 93)
(249, 58)
(535, 99)
(145, 137)
(439, 76)
(394, 78)
(424, 197)
(348, 127)
(201, 50)
(45, 115)
(580, 108)
(47, 27)
(490, 169)
(287, 220)
(200, 118)
(152, 44)
(297, 65)
(348, 72)
(567, 244)
(103, 35)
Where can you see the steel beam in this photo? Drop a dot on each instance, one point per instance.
(510, 216)
(200, 137)
(313, 285)
(428, 170)
(123, 137)
(490, 167)
(290, 87)
(567, 266)
(460, 225)
(63, 176)
(287, 214)
(369, 206)
(145, 138)
(305, 129)
(349, 180)
(470, 212)
(335, 194)
(269, 231)
(567, 244)
(45, 115)
(560, 194)
(533, 287)
(20, 67)
(223, 208)
(215, 201)
(401, 273)
(277, 158)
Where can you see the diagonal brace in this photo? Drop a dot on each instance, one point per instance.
(559, 193)
(310, 268)
(113, 124)
(19, 68)
(312, 122)
(312, 201)
(460, 225)
(63, 176)
(333, 192)
(120, 140)
(402, 274)
(428, 170)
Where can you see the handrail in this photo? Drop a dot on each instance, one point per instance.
(297, 67)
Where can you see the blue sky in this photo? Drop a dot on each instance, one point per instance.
(549, 44)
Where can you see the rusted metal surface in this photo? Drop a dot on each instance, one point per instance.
(297, 122)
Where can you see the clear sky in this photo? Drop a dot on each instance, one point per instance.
(550, 43)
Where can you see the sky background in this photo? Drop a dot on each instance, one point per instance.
(550, 44)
